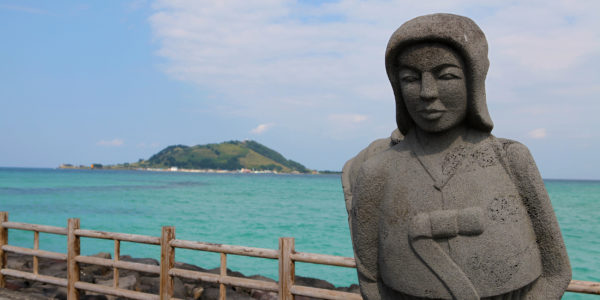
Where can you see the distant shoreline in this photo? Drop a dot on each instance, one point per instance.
(211, 171)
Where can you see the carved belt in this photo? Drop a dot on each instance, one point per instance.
(425, 227)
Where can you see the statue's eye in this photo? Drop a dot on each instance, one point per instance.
(409, 78)
(448, 75)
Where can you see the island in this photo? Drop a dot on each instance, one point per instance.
(246, 156)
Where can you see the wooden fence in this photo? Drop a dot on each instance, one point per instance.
(286, 255)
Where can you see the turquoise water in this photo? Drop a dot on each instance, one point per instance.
(239, 209)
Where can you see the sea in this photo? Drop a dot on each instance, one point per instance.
(239, 209)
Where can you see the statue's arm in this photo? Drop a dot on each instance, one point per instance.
(367, 193)
(352, 166)
(556, 273)
(347, 185)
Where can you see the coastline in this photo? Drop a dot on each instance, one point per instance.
(211, 171)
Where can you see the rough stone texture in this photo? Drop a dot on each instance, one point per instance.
(6, 294)
(445, 210)
(351, 168)
(18, 289)
(130, 282)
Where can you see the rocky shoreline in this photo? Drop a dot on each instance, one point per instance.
(18, 289)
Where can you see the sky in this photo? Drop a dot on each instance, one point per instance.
(117, 81)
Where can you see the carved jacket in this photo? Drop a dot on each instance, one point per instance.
(470, 233)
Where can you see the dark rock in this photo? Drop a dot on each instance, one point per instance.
(148, 261)
(54, 268)
(93, 297)
(313, 282)
(197, 293)
(48, 290)
(260, 277)
(61, 295)
(138, 281)
(125, 282)
(178, 288)
(60, 292)
(264, 295)
(87, 272)
(149, 285)
(15, 284)
(213, 294)
(210, 294)
(14, 263)
(6, 294)
(354, 288)
(104, 255)
(190, 267)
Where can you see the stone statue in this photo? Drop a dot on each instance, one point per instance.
(443, 209)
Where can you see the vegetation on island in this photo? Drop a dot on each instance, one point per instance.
(232, 155)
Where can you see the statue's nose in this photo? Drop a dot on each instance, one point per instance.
(428, 86)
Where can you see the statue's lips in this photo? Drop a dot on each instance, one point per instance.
(431, 114)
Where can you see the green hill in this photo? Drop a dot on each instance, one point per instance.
(232, 155)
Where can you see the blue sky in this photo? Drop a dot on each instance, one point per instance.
(115, 81)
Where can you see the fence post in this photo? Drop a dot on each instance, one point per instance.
(223, 272)
(116, 257)
(167, 262)
(286, 268)
(3, 241)
(73, 248)
(36, 246)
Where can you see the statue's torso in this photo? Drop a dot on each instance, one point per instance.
(503, 258)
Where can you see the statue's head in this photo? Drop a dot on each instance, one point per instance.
(443, 56)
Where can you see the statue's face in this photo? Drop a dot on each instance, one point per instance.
(433, 86)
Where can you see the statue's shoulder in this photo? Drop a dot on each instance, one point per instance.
(519, 162)
(388, 158)
(508, 143)
(515, 152)
(353, 166)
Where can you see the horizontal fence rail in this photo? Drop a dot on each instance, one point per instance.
(286, 255)
(227, 249)
(146, 268)
(35, 227)
(124, 237)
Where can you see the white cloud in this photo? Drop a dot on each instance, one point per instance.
(538, 133)
(257, 54)
(111, 143)
(545, 38)
(261, 128)
(306, 63)
(345, 126)
(268, 49)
